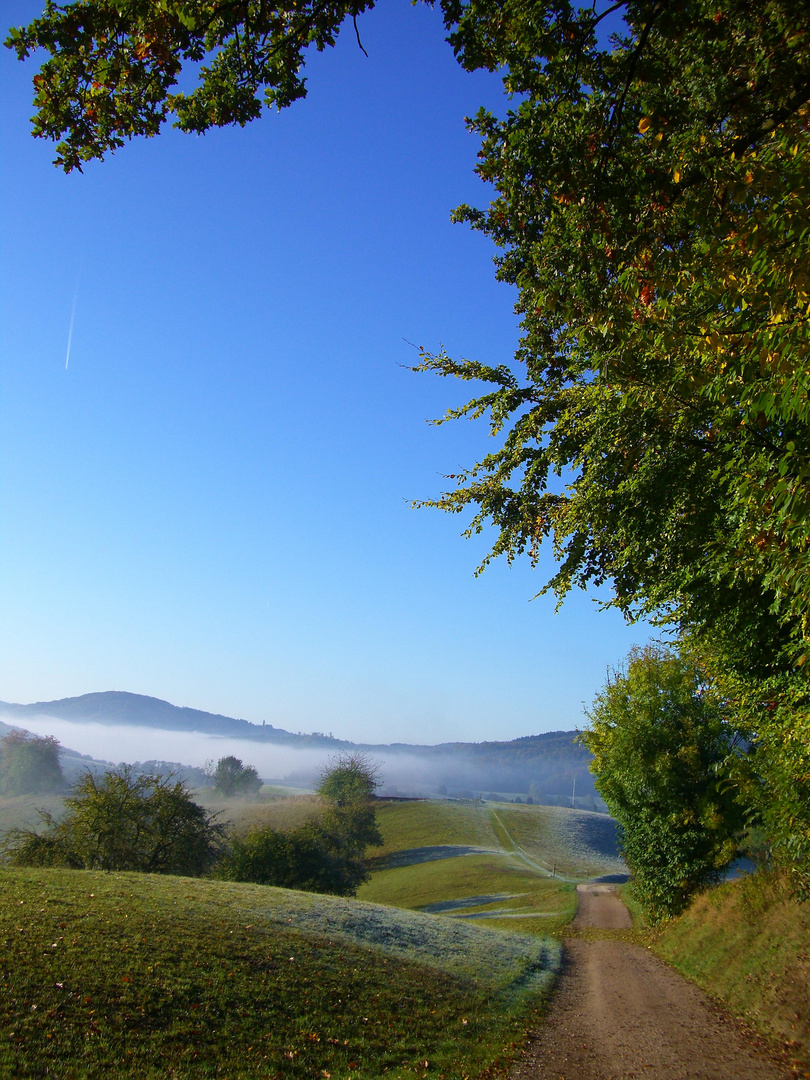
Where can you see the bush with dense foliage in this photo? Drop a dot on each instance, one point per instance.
(663, 752)
(148, 823)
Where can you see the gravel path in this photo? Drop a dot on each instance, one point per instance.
(620, 1013)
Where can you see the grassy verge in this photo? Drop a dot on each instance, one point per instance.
(136, 975)
(747, 943)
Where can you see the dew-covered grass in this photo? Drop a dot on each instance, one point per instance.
(406, 825)
(541, 905)
(575, 843)
(531, 856)
(132, 975)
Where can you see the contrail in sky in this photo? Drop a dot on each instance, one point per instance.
(73, 309)
(72, 317)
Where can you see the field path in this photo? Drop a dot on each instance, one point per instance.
(620, 1013)
(510, 846)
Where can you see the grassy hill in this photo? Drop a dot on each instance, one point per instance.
(138, 975)
(511, 866)
(147, 976)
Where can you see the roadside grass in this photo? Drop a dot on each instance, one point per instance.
(747, 943)
(408, 825)
(148, 976)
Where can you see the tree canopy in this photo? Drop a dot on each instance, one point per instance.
(29, 764)
(231, 778)
(350, 777)
(652, 209)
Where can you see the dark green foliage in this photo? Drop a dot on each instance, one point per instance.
(780, 792)
(232, 778)
(325, 855)
(317, 857)
(29, 765)
(120, 822)
(114, 66)
(663, 752)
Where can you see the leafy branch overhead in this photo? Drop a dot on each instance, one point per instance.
(114, 65)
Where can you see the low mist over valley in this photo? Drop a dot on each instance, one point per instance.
(116, 727)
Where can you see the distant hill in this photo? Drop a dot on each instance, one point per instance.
(138, 710)
(547, 766)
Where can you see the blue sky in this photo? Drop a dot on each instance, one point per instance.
(211, 503)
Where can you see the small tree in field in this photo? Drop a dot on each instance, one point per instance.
(29, 764)
(148, 823)
(349, 778)
(232, 778)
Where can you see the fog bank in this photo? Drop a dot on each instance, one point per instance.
(122, 744)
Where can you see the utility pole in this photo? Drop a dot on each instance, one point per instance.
(573, 792)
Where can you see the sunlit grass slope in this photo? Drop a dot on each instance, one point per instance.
(748, 944)
(407, 825)
(137, 975)
(575, 843)
(266, 809)
(22, 811)
(477, 889)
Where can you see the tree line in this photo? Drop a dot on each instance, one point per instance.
(651, 206)
(150, 823)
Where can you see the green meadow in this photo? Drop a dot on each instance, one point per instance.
(437, 969)
(510, 867)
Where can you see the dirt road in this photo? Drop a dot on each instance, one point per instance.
(621, 1014)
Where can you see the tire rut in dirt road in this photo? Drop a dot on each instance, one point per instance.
(620, 1013)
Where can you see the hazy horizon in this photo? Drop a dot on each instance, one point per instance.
(129, 744)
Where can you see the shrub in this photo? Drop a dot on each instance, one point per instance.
(663, 747)
(326, 855)
(148, 823)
